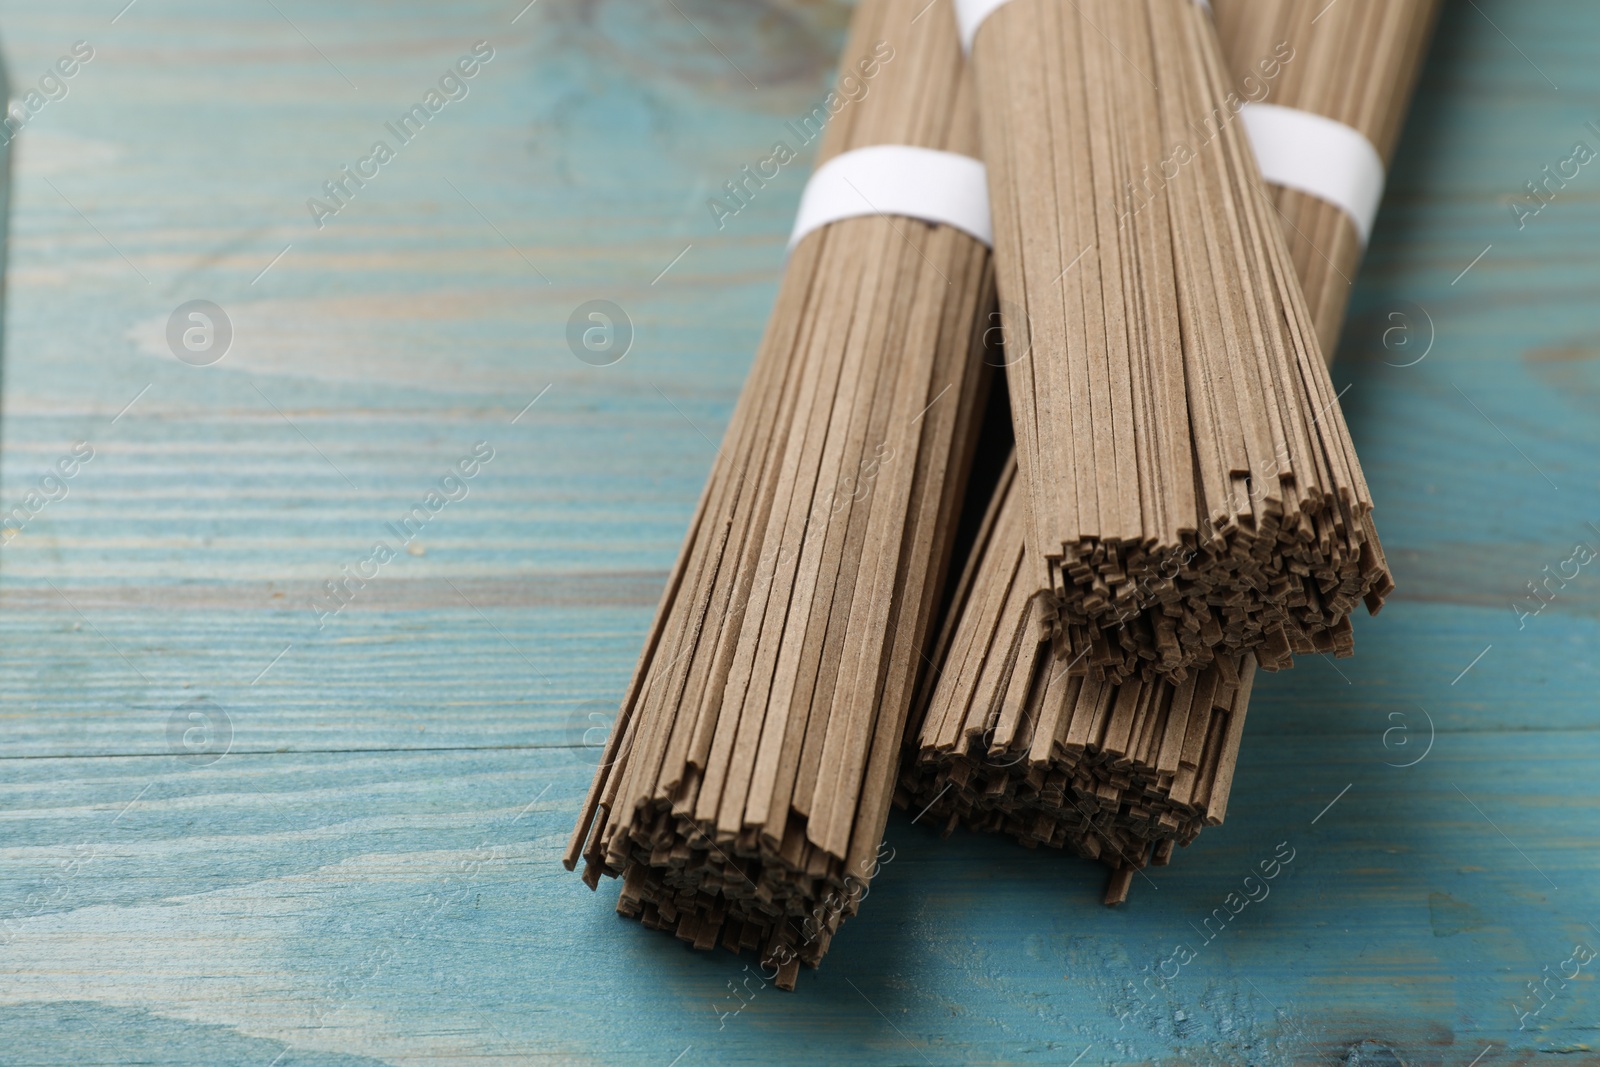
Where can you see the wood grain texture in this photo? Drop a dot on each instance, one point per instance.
(362, 879)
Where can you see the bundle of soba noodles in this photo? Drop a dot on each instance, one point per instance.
(1192, 487)
(743, 793)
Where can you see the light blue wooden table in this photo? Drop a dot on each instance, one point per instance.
(235, 831)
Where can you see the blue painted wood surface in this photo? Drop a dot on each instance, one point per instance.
(355, 858)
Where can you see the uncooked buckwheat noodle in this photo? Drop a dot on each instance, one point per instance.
(744, 790)
(1191, 484)
(1010, 741)
(1356, 63)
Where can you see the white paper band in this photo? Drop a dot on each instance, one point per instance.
(971, 13)
(1317, 155)
(897, 179)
